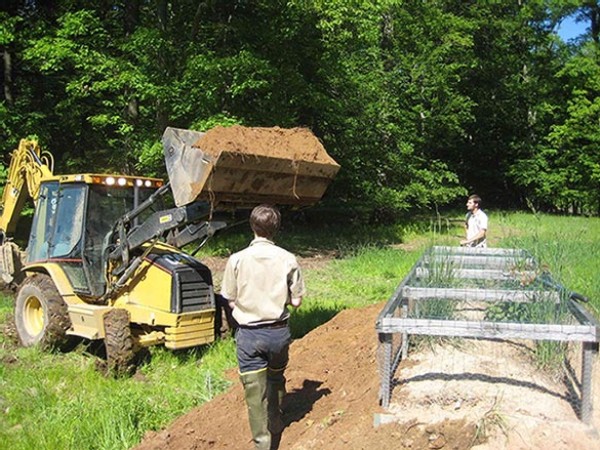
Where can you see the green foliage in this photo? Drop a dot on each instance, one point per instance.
(559, 172)
(535, 311)
(95, 90)
(218, 120)
(3, 174)
(388, 162)
(150, 159)
(420, 102)
(8, 27)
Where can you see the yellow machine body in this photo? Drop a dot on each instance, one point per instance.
(148, 300)
(74, 216)
(97, 259)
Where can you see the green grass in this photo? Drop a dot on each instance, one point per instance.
(59, 401)
(369, 276)
(52, 401)
(569, 246)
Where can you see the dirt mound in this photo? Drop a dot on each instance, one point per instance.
(449, 402)
(289, 143)
(331, 373)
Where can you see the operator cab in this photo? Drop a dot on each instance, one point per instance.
(74, 217)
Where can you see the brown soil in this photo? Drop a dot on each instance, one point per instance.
(288, 143)
(482, 395)
(249, 166)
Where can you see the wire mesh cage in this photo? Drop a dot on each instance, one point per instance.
(483, 293)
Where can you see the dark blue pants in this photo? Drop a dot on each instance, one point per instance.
(262, 348)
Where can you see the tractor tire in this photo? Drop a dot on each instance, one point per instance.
(41, 316)
(118, 339)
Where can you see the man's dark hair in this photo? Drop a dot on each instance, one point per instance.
(476, 199)
(265, 221)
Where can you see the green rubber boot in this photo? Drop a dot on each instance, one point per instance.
(275, 394)
(255, 391)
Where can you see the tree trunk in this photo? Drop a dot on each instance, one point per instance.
(162, 116)
(132, 16)
(594, 16)
(196, 21)
(7, 61)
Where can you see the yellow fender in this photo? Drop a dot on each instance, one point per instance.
(60, 279)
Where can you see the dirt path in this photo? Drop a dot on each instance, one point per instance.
(482, 395)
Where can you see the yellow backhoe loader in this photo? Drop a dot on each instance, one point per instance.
(104, 259)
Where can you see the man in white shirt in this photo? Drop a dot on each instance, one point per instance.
(476, 224)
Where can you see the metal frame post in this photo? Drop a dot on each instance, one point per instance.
(589, 349)
(385, 392)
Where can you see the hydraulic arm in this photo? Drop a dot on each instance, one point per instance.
(29, 165)
(180, 226)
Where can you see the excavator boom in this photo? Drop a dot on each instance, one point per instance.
(29, 165)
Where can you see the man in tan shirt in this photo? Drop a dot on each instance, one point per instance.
(259, 282)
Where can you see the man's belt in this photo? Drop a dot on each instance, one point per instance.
(280, 324)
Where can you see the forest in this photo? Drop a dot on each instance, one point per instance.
(421, 102)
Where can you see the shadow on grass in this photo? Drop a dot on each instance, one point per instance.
(331, 231)
(305, 320)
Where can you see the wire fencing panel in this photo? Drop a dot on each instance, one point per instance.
(460, 292)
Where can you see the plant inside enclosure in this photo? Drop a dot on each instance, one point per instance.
(434, 308)
(437, 272)
(541, 309)
(441, 271)
(492, 419)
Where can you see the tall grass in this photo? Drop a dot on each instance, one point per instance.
(59, 401)
(568, 246)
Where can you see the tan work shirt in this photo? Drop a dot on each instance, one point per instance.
(262, 279)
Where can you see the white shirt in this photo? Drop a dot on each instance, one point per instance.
(475, 223)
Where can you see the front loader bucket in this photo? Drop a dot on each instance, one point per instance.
(244, 166)
(188, 168)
